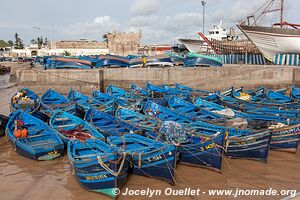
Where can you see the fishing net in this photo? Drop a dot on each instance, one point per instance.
(173, 132)
(77, 134)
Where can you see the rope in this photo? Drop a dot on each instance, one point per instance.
(104, 166)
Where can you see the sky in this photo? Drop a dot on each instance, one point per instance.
(161, 21)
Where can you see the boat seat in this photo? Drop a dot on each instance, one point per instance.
(62, 119)
(35, 136)
(86, 156)
(41, 144)
(65, 125)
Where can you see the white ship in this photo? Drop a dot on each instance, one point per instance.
(282, 37)
(200, 46)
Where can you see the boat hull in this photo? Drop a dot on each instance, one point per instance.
(253, 146)
(98, 167)
(271, 41)
(204, 154)
(41, 142)
(286, 139)
(160, 164)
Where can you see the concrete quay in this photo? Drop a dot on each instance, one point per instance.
(207, 78)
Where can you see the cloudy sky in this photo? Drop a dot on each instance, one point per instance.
(162, 21)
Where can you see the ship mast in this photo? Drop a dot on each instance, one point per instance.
(281, 13)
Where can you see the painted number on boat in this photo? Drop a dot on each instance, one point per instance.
(207, 147)
(90, 178)
(154, 158)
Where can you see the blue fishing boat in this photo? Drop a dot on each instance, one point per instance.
(187, 108)
(122, 94)
(79, 98)
(3, 121)
(139, 91)
(70, 127)
(68, 63)
(148, 157)
(76, 110)
(25, 100)
(154, 89)
(195, 149)
(177, 59)
(250, 146)
(278, 97)
(203, 151)
(283, 138)
(286, 138)
(138, 120)
(295, 92)
(107, 124)
(98, 167)
(52, 100)
(194, 60)
(112, 61)
(174, 91)
(241, 143)
(32, 138)
(162, 113)
(191, 90)
(107, 103)
(152, 61)
(116, 92)
(86, 102)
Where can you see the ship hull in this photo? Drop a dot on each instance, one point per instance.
(271, 41)
(194, 46)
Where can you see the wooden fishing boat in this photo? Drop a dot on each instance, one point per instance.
(122, 94)
(3, 122)
(194, 148)
(68, 63)
(152, 61)
(194, 60)
(25, 100)
(139, 91)
(242, 143)
(203, 152)
(138, 120)
(283, 138)
(295, 92)
(32, 138)
(107, 103)
(79, 98)
(112, 61)
(52, 100)
(191, 90)
(162, 113)
(107, 124)
(148, 157)
(286, 138)
(70, 127)
(98, 167)
(87, 103)
(187, 108)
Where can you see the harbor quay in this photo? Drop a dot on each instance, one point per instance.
(205, 78)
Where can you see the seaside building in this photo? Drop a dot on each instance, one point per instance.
(154, 49)
(123, 43)
(5, 48)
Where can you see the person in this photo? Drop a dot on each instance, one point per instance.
(144, 61)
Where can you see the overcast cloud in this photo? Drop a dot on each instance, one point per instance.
(161, 21)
